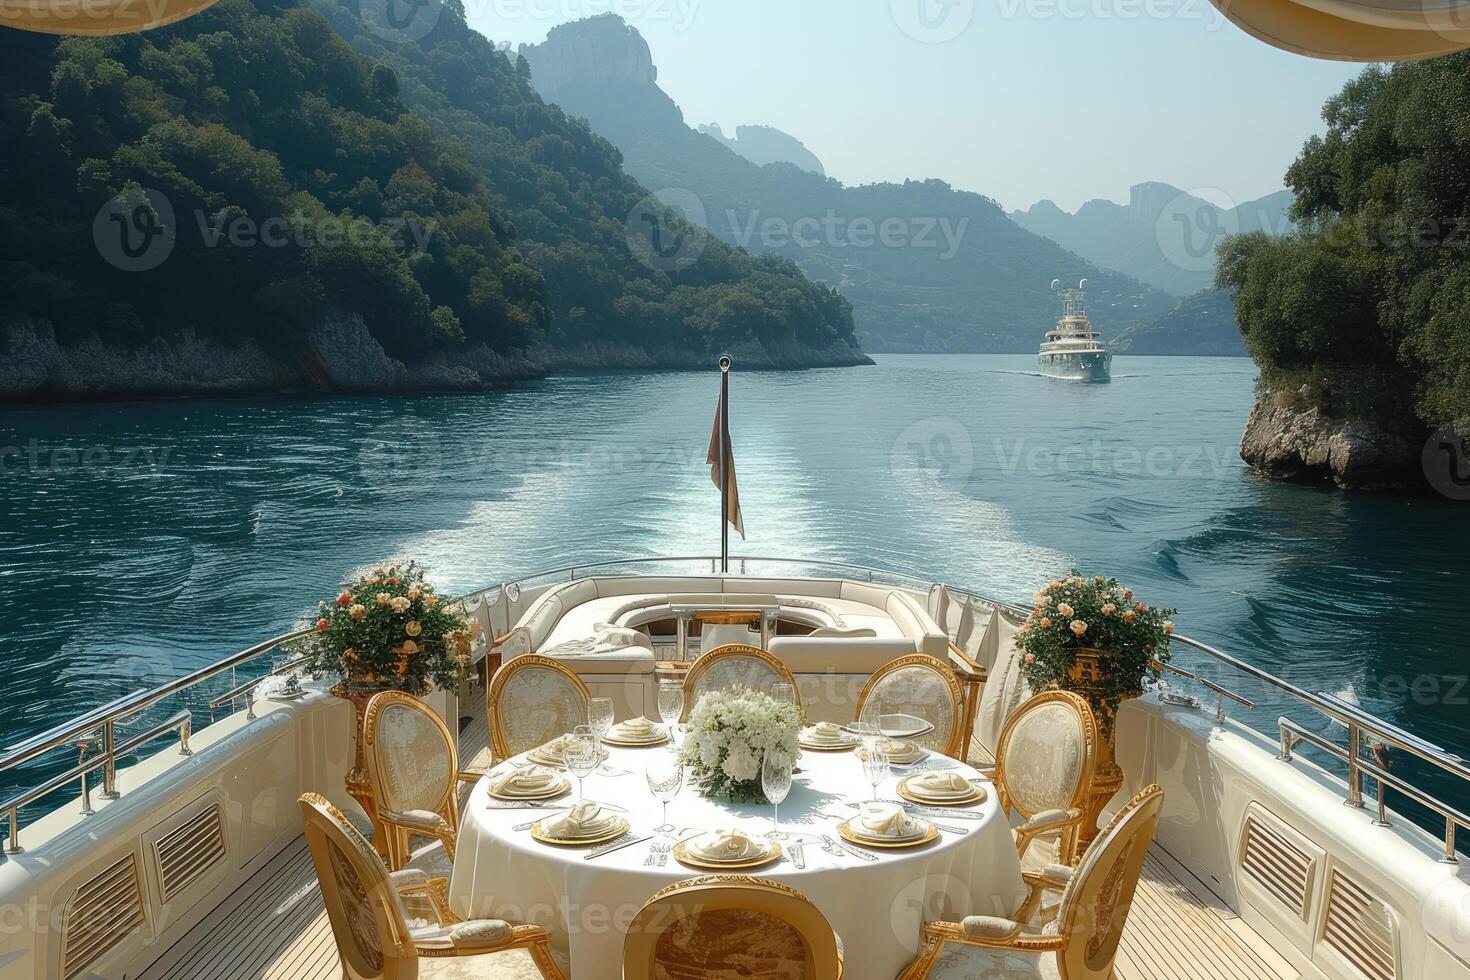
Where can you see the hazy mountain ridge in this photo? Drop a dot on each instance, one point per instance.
(1200, 325)
(1163, 236)
(962, 276)
(763, 145)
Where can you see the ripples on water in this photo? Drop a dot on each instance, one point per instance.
(967, 469)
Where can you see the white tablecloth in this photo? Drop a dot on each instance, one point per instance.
(878, 908)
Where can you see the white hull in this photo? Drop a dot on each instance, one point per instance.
(1091, 365)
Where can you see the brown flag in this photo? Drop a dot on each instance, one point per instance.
(732, 499)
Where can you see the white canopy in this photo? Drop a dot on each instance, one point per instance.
(1355, 30)
(95, 16)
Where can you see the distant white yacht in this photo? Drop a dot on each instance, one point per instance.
(1072, 351)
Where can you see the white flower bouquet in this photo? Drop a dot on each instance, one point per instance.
(729, 732)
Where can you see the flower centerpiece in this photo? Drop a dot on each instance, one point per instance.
(389, 629)
(730, 732)
(1092, 636)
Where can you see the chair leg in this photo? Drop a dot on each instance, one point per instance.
(541, 953)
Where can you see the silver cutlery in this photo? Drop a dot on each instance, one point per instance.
(931, 811)
(658, 855)
(837, 847)
(616, 844)
(794, 852)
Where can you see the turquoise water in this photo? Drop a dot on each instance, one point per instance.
(138, 541)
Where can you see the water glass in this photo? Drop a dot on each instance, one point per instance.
(775, 783)
(867, 732)
(600, 716)
(581, 757)
(670, 703)
(875, 767)
(665, 775)
(783, 693)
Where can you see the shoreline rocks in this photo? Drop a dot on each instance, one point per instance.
(339, 356)
(1285, 442)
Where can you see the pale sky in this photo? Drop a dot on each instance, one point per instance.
(1015, 99)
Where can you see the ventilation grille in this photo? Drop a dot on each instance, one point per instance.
(1276, 864)
(1360, 928)
(186, 853)
(101, 914)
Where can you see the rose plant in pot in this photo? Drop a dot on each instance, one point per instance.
(1094, 637)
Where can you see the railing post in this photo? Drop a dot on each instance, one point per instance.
(185, 730)
(13, 845)
(1450, 857)
(1354, 777)
(109, 765)
(1220, 710)
(1381, 820)
(1285, 754)
(250, 705)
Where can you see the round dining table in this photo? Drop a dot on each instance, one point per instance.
(877, 907)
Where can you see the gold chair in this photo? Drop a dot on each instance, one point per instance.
(732, 665)
(413, 766)
(532, 700)
(730, 926)
(1081, 943)
(924, 687)
(1044, 765)
(368, 907)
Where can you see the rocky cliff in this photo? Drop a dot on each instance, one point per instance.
(766, 144)
(338, 356)
(1288, 442)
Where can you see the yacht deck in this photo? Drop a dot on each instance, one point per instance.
(275, 927)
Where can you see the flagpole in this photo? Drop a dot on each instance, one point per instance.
(725, 364)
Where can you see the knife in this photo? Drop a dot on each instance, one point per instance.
(627, 840)
(855, 852)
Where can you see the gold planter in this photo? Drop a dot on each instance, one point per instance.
(1085, 677)
(360, 691)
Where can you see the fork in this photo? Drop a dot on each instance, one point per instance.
(838, 849)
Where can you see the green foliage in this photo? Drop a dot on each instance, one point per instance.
(423, 187)
(390, 629)
(1094, 614)
(1364, 310)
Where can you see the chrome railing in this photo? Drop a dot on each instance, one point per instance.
(99, 724)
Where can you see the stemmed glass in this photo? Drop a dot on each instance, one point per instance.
(581, 757)
(875, 767)
(600, 716)
(775, 783)
(867, 732)
(665, 778)
(783, 693)
(670, 704)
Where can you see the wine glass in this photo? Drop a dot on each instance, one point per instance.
(783, 693)
(600, 716)
(665, 778)
(867, 732)
(581, 757)
(875, 767)
(775, 783)
(670, 703)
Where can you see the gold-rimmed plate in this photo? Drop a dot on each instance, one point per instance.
(913, 796)
(905, 763)
(619, 828)
(642, 743)
(684, 856)
(553, 762)
(852, 837)
(828, 746)
(557, 788)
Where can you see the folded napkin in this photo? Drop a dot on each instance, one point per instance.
(639, 727)
(895, 749)
(886, 820)
(527, 779)
(726, 845)
(941, 784)
(824, 731)
(583, 820)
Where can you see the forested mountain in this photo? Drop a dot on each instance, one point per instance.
(245, 179)
(1202, 324)
(927, 267)
(1162, 236)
